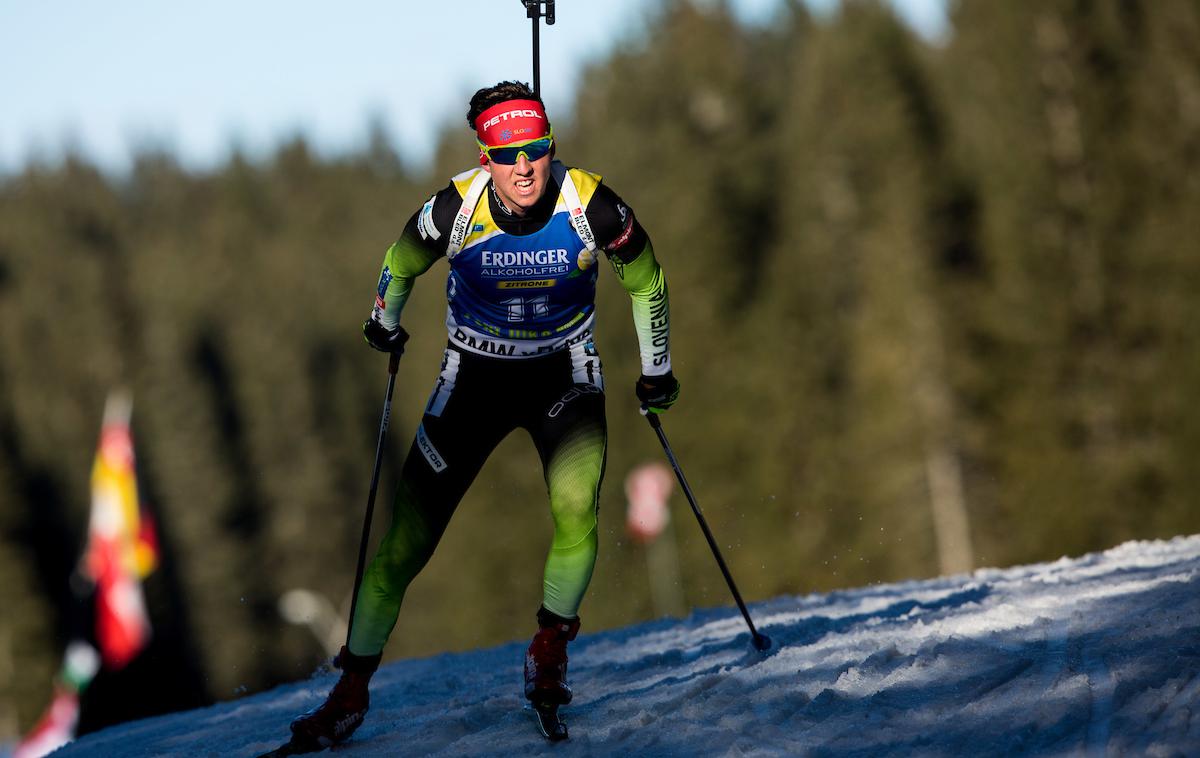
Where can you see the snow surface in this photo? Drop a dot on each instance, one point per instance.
(1092, 656)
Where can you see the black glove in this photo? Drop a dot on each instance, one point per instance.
(382, 340)
(657, 393)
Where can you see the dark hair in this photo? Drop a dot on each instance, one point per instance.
(489, 96)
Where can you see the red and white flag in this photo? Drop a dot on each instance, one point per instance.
(57, 725)
(122, 547)
(56, 728)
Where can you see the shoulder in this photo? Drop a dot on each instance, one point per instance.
(612, 219)
(435, 219)
(586, 183)
(462, 182)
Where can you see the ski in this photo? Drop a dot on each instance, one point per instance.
(549, 723)
(293, 747)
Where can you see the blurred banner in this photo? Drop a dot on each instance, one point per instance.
(122, 545)
(304, 607)
(647, 521)
(122, 549)
(647, 488)
(57, 726)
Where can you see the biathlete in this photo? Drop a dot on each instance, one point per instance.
(522, 234)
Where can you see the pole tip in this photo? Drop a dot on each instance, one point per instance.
(762, 642)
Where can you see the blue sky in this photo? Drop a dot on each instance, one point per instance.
(195, 78)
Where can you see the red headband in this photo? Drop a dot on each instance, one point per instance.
(512, 121)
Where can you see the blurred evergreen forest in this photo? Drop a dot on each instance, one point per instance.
(910, 282)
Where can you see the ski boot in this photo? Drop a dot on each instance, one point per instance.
(343, 711)
(546, 671)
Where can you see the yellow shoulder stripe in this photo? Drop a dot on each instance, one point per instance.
(463, 181)
(586, 183)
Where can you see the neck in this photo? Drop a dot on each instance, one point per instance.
(517, 211)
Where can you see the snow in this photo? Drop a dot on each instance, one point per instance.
(1090, 656)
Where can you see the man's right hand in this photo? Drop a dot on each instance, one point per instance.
(383, 340)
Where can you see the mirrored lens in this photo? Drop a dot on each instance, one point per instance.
(533, 151)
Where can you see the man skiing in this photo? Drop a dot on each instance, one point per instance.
(522, 234)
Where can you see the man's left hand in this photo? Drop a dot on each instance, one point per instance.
(657, 393)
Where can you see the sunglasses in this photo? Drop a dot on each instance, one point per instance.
(507, 155)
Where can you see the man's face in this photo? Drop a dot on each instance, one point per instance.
(522, 184)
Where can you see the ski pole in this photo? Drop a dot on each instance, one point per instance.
(393, 365)
(761, 641)
(533, 10)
